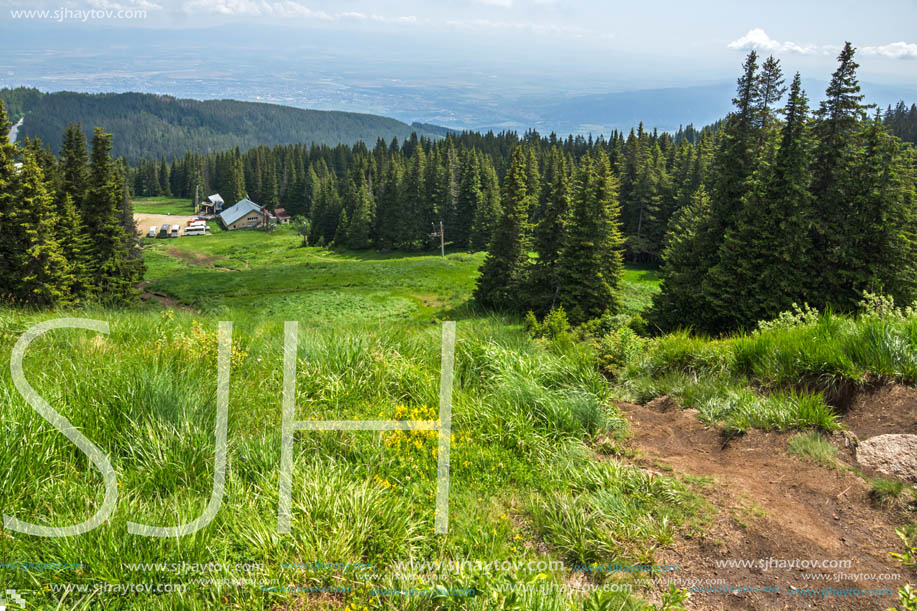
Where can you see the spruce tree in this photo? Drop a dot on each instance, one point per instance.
(361, 221)
(837, 124)
(680, 300)
(504, 273)
(488, 213)
(12, 243)
(551, 231)
(390, 217)
(112, 272)
(45, 274)
(77, 249)
(591, 262)
(880, 252)
(469, 198)
(74, 166)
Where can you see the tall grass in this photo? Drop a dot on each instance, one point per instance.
(524, 414)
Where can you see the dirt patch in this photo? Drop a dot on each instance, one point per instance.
(769, 505)
(887, 409)
(165, 300)
(143, 222)
(194, 258)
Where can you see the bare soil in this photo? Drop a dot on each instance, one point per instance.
(143, 222)
(770, 504)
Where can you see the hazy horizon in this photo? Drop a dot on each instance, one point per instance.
(463, 64)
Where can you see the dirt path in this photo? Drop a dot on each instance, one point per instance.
(770, 505)
(165, 300)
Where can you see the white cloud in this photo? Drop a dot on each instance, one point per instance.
(895, 50)
(501, 3)
(758, 40)
(131, 4)
(534, 28)
(283, 9)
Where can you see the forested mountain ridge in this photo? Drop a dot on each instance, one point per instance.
(151, 125)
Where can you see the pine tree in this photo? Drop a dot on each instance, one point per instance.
(112, 272)
(470, 197)
(361, 221)
(504, 273)
(77, 249)
(837, 125)
(45, 274)
(680, 300)
(489, 211)
(390, 221)
(13, 239)
(74, 166)
(591, 263)
(551, 231)
(340, 233)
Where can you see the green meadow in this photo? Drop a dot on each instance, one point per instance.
(162, 205)
(526, 483)
(532, 476)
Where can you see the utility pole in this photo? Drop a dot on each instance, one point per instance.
(442, 238)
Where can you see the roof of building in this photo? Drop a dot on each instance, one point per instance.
(281, 212)
(242, 207)
(215, 199)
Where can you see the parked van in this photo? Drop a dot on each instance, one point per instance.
(196, 230)
(152, 233)
(175, 230)
(164, 231)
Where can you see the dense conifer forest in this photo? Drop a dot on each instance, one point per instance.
(155, 125)
(775, 204)
(66, 223)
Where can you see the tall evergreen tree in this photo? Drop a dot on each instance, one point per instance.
(504, 273)
(11, 226)
(837, 124)
(74, 166)
(112, 272)
(591, 263)
(551, 232)
(45, 279)
(361, 221)
(489, 211)
(469, 198)
(680, 301)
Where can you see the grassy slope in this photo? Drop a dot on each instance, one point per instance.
(162, 205)
(523, 472)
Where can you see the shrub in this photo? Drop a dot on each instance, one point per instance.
(798, 316)
(617, 349)
(555, 324)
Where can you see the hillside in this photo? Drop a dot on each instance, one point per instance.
(150, 125)
(550, 461)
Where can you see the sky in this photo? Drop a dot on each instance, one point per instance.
(700, 38)
(463, 63)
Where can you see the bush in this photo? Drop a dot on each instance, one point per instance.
(555, 324)
(797, 317)
(617, 349)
